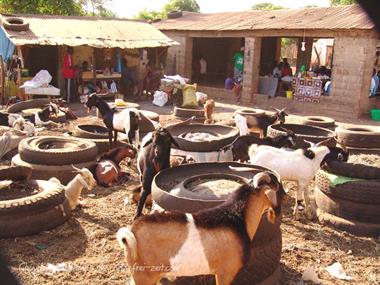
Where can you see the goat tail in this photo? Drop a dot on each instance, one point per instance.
(128, 241)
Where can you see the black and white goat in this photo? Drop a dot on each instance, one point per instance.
(190, 244)
(240, 146)
(126, 121)
(262, 122)
(153, 157)
(42, 118)
(296, 166)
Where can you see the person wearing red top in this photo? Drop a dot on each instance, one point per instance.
(286, 70)
(69, 75)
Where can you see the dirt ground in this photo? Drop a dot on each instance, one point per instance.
(86, 250)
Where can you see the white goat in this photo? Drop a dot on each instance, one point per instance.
(299, 166)
(73, 190)
(27, 127)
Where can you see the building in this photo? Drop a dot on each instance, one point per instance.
(217, 36)
(42, 42)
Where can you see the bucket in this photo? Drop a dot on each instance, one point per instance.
(375, 114)
(289, 95)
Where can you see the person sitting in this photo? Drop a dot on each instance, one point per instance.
(286, 70)
(276, 72)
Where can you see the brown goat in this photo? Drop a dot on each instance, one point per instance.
(107, 171)
(209, 111)
(172, 244)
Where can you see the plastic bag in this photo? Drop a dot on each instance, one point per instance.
(201, 97)
(42, 78)
(189, 97)
(160, 98)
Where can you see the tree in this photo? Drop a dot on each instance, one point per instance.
(267, 6)
(51, 7)
(342, 2)
(97, 7)
(149, 15)
(183, 5)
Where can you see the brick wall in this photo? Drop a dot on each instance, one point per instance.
(352, 72)
(179, 57)
(252, 55)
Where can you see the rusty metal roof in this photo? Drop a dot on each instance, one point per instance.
(328, 18)
(91, 31)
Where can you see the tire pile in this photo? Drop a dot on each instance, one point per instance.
(354, 205)
(360, 139)
(51, 156)
(32, 214)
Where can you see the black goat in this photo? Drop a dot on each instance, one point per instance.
(126, 121)
(154, 157)
(264, 121)
(240, 146)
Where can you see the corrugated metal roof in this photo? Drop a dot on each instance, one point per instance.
(328, 18)
(95, 32)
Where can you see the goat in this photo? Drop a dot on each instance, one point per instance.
(73, 190)
(154, 157)
(240, 145)
(107, 171)
(8, 119)
(41, 118)
(265, 120)
(25, 127)
(296, 166)
(189, 244)
(126, 121)
(209, 111)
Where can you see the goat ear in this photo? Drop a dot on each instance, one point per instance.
(272, 196)
(148, 142)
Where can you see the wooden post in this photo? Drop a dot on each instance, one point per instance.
(252, 55)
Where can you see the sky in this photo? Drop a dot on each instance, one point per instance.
(130, 8)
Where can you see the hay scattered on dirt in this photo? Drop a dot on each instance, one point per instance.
(366, 159)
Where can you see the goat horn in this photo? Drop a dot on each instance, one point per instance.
(310, 143)
(278, 110)
(322, 142)
(283, 109)
(260, 177)
(75, 168)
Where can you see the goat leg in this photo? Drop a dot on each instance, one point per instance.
(308, 209)
(140, 204)
(110, 139)
(298, 198)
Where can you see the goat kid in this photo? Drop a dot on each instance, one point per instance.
(264, 121)
(107, 170)
(209, 111)
(153, 157)
(24, 127)
(126, 121)
(8, 119)
(189, 244)
(294, 165)
(73, 190)
(240, 146)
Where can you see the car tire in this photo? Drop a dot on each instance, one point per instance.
(31, 150)
(64, 173)
(358, 137)
(318, 121)
(15, 173)
(15, 24)
(365, 213)
(29, 104)
(353, 227)
(353, 170)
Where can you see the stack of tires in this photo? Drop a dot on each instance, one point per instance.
(45, 210)
(352, 204)
(50, 156)
(359, 139)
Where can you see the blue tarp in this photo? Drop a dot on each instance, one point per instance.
(6, 46)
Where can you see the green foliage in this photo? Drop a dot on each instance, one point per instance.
(183, 5)
(287, 42)
(267, 6)
(97, 7)
(342, 2)
(149, 15)
(51, 7)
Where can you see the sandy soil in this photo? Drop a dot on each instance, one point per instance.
(87, 247)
